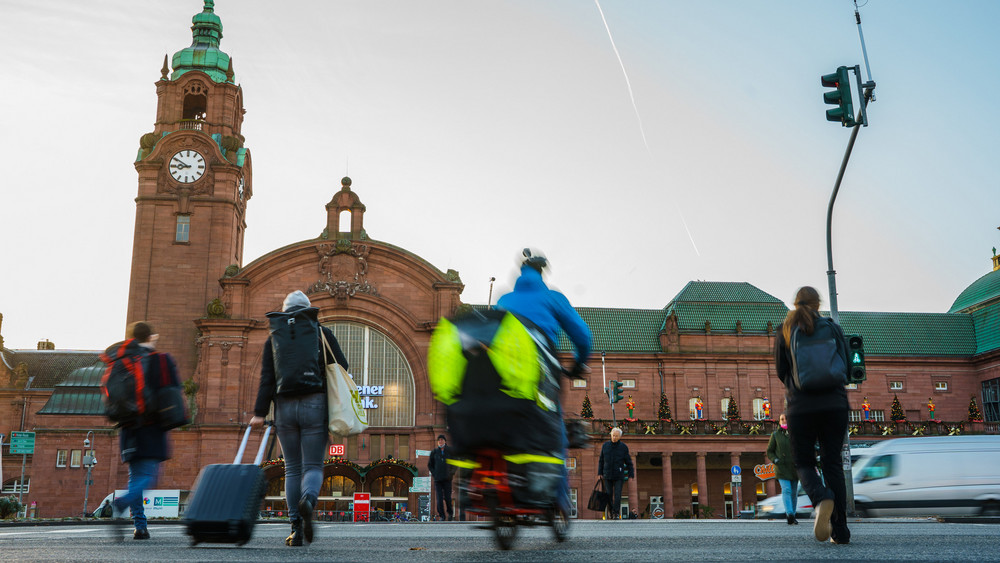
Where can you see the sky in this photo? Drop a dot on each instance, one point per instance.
(664, 142)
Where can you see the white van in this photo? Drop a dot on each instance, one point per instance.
(929, 476)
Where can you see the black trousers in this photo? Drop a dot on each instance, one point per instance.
(615, 490)
(828, 429)
(442, 489)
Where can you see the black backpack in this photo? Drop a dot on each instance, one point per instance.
(123, 385)
(295, 342)
(819, 360)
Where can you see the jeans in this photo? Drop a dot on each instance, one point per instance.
(789, 495)
(142, 475)
(829, 429)
(300, 422)
(442, 489)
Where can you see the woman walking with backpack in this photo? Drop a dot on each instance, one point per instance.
(816, 411)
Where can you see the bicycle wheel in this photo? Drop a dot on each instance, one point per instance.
(504, 526)
(559, 520)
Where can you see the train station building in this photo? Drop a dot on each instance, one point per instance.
(707, 344)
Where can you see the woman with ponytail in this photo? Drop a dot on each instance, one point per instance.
(816, 417)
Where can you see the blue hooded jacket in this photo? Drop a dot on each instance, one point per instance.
(548, 309)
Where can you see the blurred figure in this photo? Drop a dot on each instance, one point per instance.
(615, 465)
(550, 311)
(779, 451)
(816, 417)
(144, 445)
(441, 474)
(293, 378)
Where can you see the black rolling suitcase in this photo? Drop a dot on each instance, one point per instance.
(226, 499)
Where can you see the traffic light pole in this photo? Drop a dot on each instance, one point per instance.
(832, 279)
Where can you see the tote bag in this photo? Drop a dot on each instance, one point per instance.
(346, 411)
(599, 498)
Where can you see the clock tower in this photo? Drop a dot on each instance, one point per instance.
(194, 182)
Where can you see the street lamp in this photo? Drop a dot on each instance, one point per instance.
(89, 461)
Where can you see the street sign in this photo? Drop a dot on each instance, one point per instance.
(423, 453)
(737, 479)
(735, 470)
(421, 485)
(22, 443)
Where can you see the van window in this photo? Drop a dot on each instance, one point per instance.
(880, 468)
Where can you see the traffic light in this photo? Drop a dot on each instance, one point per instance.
(616, 391)
(840, 97)
(856, 355)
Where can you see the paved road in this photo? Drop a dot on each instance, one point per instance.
(603, 542)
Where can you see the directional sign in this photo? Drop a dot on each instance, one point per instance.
(735, 470)
(22, 443)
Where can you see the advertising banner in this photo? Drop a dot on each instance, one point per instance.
(157, 503)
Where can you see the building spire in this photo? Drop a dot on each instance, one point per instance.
(204, 53)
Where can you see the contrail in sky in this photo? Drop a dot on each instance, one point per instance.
(638, 118)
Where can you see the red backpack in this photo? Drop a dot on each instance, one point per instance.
(124, 383)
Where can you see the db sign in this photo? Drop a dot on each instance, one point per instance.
(337, 449)
(764, 471)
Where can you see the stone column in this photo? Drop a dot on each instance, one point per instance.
(668, 486)
(633, 487)
(702, 479)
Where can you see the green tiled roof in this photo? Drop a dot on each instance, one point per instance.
(912, 334)
(723, 292)
(724, 303)
(987, 323)
(620, 330)
(79, 393)
(986, 288)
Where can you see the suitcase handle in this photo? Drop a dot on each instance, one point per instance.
(260, 450)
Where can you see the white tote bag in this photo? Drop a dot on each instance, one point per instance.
(347, 414)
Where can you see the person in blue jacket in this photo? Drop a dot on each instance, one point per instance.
(551, 312)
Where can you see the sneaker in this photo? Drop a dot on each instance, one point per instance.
(142, 534)
(306, 513)
(822, 527)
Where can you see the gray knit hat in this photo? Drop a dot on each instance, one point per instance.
(295, 299)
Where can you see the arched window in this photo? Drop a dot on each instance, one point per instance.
(758, 409)
(381, 373)
(389, 486)
(344, 221)
(338, 486)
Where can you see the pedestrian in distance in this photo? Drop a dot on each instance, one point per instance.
(615, 465)
(292, 376)
(442, 473)
(143, 443)
(779, 451)
(816, 416)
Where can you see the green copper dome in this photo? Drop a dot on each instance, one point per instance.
(204, 53)
(982, 291)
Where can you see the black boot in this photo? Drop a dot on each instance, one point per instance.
(295, 539)
(790, 518)
(306, 513)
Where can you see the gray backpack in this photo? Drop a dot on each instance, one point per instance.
(819, 360)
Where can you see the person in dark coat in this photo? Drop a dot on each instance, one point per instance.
(300, 418)
(441, 474)
(779, 451)
(615, 466)
(144, 445)
(816, 417)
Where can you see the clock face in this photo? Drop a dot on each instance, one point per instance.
(187, 166)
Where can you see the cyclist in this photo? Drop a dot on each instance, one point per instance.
(550, 311)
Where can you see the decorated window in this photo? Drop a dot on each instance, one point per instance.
(940, 385)
(381, 372)
(758, 409)
(628, 384)
(579, 383)
(895, 385)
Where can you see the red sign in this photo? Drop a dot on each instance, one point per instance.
(336, 449)
(362, 504)
(764, 471)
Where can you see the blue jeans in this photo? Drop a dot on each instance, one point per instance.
(300, 422)
(789, 495)
(142, 475)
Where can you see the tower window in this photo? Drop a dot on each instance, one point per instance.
(345, 221)
(183, 228)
